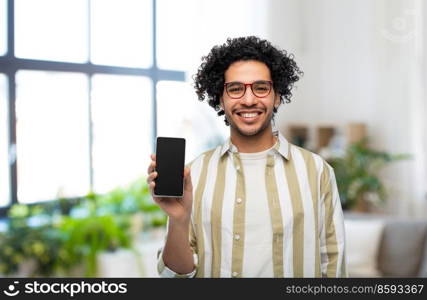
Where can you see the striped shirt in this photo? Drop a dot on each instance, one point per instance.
(305, 215)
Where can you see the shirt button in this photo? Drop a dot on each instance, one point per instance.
(237, 167)
(237, 237)
(239, 200)
(235, 274)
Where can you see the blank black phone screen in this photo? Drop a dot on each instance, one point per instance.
(170, 160)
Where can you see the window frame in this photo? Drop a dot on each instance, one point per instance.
(10, 65)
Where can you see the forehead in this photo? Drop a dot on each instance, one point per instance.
(247, 71)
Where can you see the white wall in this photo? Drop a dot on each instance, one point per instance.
(362, 61)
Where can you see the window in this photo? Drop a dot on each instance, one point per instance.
(122, 120)
(79, 94)
(51, 30)
(121, 33)
(176, 34)
(3, 27)
(4, 149)
(52, 135)
(186, 34)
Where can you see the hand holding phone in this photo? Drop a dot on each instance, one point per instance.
(168, 180)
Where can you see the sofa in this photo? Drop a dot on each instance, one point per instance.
(385, 246)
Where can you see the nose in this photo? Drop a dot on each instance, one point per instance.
(249, 98)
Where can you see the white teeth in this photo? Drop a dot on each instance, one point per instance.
(249, 115)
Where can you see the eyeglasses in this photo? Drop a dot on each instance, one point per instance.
(236, 90)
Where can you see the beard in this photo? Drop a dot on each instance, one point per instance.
(253, 131)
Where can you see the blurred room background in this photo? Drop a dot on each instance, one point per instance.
(87, 85)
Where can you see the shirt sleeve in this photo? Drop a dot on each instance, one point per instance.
(332, 234)
(165, 272)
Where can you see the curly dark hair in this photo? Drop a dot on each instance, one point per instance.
(209, 80)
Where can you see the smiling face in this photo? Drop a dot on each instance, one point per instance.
(249, 115)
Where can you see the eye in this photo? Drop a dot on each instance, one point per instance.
(262, 86)
(235, 87)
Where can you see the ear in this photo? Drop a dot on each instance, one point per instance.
(276, 101)
(221, 102)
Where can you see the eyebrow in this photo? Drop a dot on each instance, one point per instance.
(236, 81)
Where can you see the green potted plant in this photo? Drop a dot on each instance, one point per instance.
(55, 238)
(83, 239)
(359, 184)
(30, 244)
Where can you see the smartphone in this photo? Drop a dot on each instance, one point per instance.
(170, 161)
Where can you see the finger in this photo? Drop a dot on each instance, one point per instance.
(187, 171)
(187, 179)
(151, 177)
(151, 186)
(153, 156)
(151, 167)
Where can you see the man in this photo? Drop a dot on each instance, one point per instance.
(256, 206)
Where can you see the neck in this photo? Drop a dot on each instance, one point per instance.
(255, 143)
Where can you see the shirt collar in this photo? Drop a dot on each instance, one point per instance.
(282, 146)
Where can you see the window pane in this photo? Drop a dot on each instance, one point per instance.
(51, 30)
(52, 135)
(121, 32)
(186, 33)
(189, 118)
(4, 137)
(121, 112)
(175, 33)
(3, 27)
